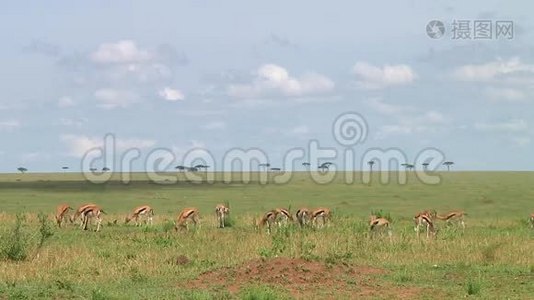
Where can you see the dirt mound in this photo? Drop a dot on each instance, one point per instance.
(304, 279)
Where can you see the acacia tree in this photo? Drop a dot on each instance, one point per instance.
(265, 166)
(425, 166)
(448, 164)
(22, 170)
(306, 165)
(325, 166)
(371, 163)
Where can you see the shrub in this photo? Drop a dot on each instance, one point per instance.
(15, 247)
(45, 230)
(473, 287)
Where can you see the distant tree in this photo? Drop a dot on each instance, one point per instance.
(306, 165)
(265, 166)
(64, 168)
(371, 163)
(93, 169)
(22, 170)
(325, 166)
(425, 166)
(410, 166)
(448, 164)
(106, 169)
(276, 169)
(193, 169)
(200, 166)
(180, 168)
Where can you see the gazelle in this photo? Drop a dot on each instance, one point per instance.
(425, 220)
(532, 220)
(431, 214)
(283, 216)
(221, 211)
(78, 213)
(186, 216)
(92, 212)
(61, 213)
(140, 212)
(320, 213)
(268, 219)
(303, 216)
(378, 224)
(453, 216)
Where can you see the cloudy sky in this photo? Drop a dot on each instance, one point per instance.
(219, 75)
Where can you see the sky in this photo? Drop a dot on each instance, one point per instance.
(175, 82)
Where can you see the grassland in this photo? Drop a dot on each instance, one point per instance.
(492, 259)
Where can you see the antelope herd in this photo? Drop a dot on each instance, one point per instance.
(319, 217)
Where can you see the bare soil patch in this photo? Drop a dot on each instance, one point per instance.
(305, 279)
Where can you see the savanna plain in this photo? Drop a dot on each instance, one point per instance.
(492, 258)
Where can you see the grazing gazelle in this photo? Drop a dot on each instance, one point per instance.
(61, 213)
(268, 219)
(453, 216)
(424, 219)
(431, 214)
(378, 224)
(186, 216)
(92, 212)
(221, 211)
(139, 212)
(303, 216)
(283, 216)
(320, 213)
(78, 213)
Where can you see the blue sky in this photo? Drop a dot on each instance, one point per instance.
(214, 75)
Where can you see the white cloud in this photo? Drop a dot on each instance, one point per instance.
(506, 94)
(493, 70)
(274, 80)
(514, 131)
(9, 125)
(513, 125)
(79, 145)
(407, 119)
(376, 77)
(388, 109)
(65, 101)
(68, 122)
(215, 125)
(521, 141)
(170, 94)
(180, 151)
(124, 51)
(112, 98)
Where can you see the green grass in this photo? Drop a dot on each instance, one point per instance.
(492, 259)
